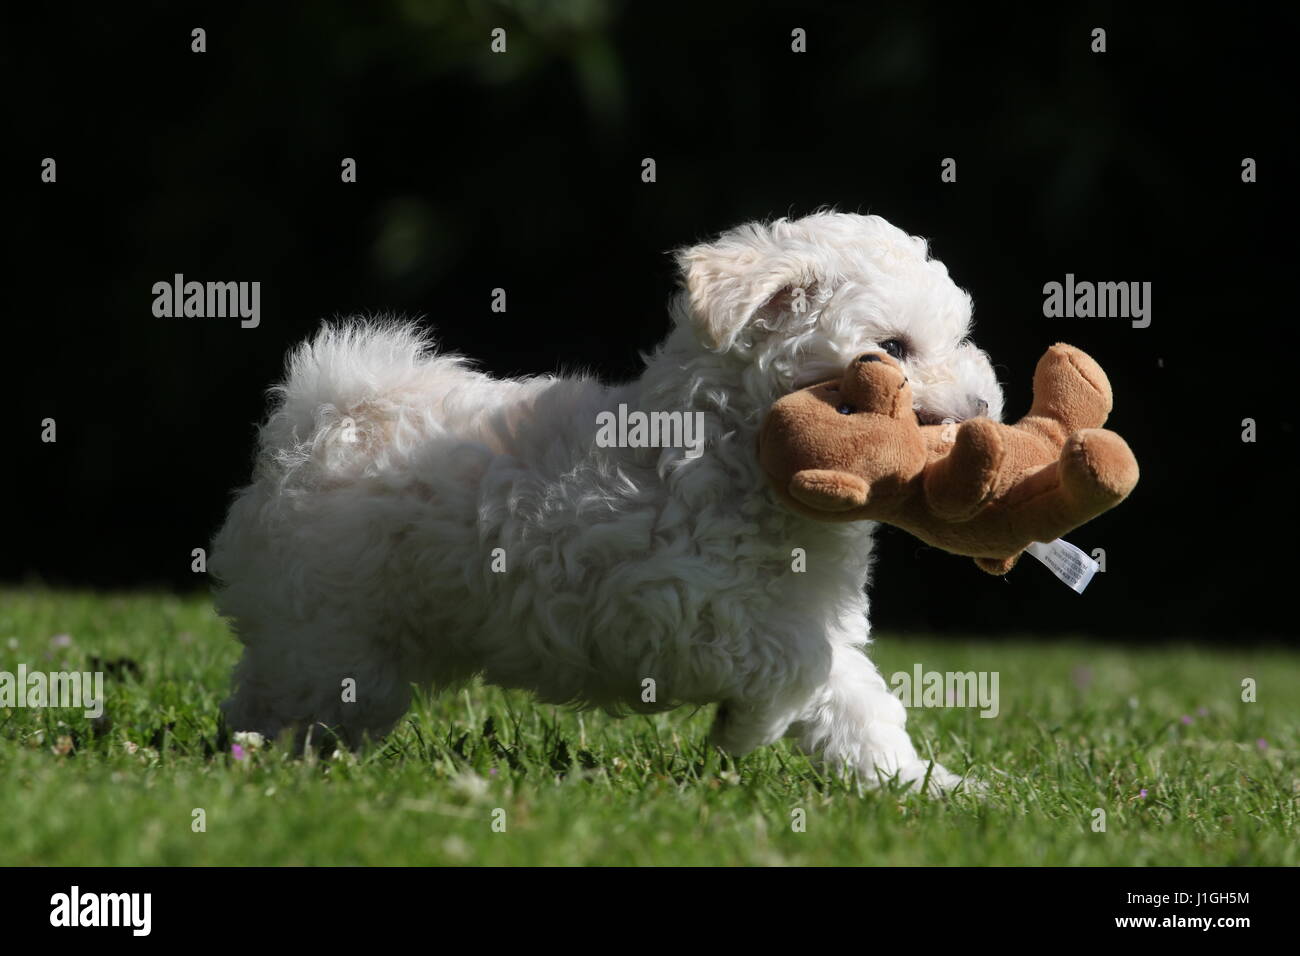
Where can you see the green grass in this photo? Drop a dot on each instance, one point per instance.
(1082, 726)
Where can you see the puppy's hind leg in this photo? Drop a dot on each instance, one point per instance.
(740, 727)
(329, 688)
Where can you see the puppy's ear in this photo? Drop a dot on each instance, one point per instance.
(744, 273)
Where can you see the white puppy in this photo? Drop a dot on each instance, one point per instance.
(413, 521)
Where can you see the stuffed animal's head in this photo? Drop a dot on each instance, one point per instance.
(832, 447)
(853, 449)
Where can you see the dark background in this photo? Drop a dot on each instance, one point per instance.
(523, 171)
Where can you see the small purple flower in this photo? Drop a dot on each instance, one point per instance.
(1143, 793)
(493, 771)
(61, 640)
(1262, 743)
(237, 751)
(1203, 711)
(1187, 718)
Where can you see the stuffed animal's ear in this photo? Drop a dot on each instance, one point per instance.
(744, 273)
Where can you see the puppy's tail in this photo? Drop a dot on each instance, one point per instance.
(344, 398)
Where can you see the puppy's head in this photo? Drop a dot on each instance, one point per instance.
(795, 301)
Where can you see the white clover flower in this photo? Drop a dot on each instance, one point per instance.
(249, 739)
(470, 785)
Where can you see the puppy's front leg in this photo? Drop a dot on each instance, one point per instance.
(854, 723)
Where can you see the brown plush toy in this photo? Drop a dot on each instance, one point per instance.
(852, 449)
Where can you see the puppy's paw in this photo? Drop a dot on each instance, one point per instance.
(940, 780)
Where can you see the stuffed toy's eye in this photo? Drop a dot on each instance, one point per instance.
(846, 409)
(895, 347)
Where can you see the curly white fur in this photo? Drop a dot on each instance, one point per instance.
(388, 475)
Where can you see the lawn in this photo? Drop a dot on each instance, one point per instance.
(1159, 739)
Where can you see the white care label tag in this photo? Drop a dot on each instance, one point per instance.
(1065, 561)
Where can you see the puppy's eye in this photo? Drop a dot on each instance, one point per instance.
(846, 409)
(895, 347)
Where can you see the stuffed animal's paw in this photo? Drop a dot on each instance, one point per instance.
(997, 565)
(828, 490)
(1071, 389)
(963, 481)
(1098, 471)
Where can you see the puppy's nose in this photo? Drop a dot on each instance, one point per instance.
(869, 357)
